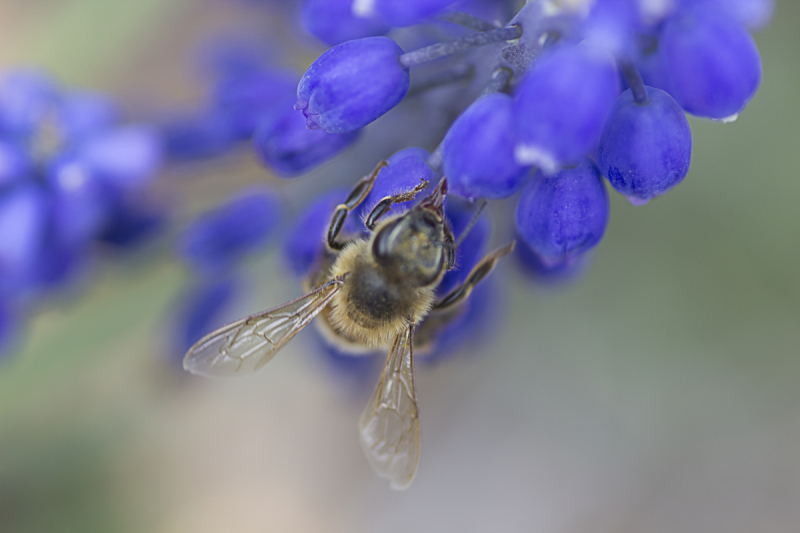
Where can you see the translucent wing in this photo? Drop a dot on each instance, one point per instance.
(248, 344)
(389, 427)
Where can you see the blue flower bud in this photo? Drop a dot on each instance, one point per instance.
(711, 63)
(244, 97)
(563, 216)
(561, 105)
(290, 149)
(84, 113)
(333, 21)
(548, 273)
(80, 206)
(645, 149)
(131, 223)
(199, 136)
(612, 26)
(201, 309)
(304, 240)
(15, 164)
(408, 12)
(218, 239)
(754, 14)
(23, 223)
(56, 266)
(127, 157)
(352, 84)
(407, 169)
(25, 98)
(478, 152)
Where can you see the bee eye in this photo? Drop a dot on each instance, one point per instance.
(383, 243)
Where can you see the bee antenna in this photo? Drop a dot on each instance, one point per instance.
(470, 225)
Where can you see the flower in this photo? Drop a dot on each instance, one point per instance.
(289, 148)
(352, 84)
(334, 21)
(711, 63)
(478, 150)
(561, 105)
(563, 216)
(646, 148)
(217, 240)
(405, 12)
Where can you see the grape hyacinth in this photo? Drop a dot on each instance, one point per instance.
(73, 178)
(537, 103)
(564, 96)
(561, 102)
(336, 96)
(646, 146)
(563, 216)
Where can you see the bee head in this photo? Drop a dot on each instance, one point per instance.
(417, 247)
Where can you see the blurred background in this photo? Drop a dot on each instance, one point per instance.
(659, 392)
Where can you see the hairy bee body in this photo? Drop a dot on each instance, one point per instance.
(389, 281)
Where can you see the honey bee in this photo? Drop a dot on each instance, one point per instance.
(370, 292)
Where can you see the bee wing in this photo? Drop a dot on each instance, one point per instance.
(389, 427)
(248, 344)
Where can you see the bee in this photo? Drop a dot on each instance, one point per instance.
(371, 291)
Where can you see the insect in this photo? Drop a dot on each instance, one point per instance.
(370, 292)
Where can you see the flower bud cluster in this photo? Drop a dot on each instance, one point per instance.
(598, 89)
(73, 178)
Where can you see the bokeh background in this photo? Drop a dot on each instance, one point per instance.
(658, 393)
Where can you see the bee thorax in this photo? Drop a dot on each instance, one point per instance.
(372, 307)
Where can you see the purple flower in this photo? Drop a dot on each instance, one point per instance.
(126, 157)
(26, 97)
(23, 223)
(562, 216)
(217, 240)
(561, 105)
(352, 84)
(478, 151)
(290, 149)
(198, 135)
(711, 63)
(304, 239)
(333, 21)
(245, 97)
(407, 169)
(15, 163)
(408, 12)
(645, 149)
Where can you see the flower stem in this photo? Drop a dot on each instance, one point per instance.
(634, 79)
(468, 21)
(435, 51)
(500, 79)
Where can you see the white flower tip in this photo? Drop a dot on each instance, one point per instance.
(530, 154)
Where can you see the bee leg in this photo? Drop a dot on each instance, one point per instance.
(478, 272)
(354, 199)
(385, 205)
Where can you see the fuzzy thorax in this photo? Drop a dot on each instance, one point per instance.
(370, 308)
